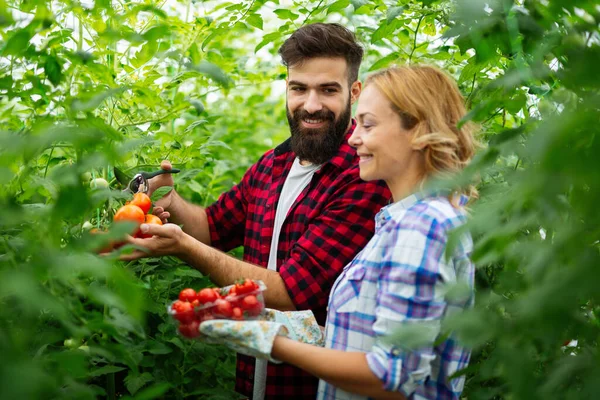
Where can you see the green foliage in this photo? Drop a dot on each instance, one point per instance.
(84, 87)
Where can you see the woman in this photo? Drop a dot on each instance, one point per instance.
(406, 134)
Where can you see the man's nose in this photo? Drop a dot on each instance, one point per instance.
(312, 103)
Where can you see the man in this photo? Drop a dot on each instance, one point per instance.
(302, 210)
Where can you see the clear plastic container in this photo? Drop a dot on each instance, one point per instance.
(243, 307)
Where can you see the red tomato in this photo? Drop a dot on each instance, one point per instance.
(237, 314)
(233, 300)
(184, 312)
(245, 286)
(223, 308)
(207, 296)
(218, 292)
(150, 219)
(251, 305)
(187, 295)
(190, 330)
(142, 201)
(130, 213)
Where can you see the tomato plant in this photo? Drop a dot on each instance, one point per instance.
(86, 87)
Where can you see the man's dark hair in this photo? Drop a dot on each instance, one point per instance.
(323, 40)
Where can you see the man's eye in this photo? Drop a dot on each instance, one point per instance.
(330, 90)
(297, 89)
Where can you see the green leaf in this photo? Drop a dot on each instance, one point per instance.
(213, 72)
(392, 13)
(108, 369)
(160, 193)
(156, 33)
(155, 391)
(188, 272)
(338, 6)
(268, 38)
(17, 43)
(52, 70)
(6, 82)
(255, 20)
(135, 382)
(285, 14)
(385, 61)
(95, 101)
(358, 3)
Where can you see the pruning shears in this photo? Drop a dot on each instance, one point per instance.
(139, 182)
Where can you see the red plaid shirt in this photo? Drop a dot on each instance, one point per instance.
(328, 224)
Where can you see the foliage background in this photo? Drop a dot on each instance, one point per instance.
(88, 85)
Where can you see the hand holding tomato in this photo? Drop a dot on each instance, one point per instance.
(161, 240)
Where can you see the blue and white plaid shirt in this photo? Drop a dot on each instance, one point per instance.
(400, 279)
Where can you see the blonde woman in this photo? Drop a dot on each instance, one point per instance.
(406, 134)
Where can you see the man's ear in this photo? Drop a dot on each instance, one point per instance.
(355, 90)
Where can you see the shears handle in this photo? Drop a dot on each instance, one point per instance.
(151, 175)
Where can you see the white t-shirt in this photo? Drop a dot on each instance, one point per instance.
(298, 178)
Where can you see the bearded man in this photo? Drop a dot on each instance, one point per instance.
(301, 212)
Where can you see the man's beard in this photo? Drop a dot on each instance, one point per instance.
(318, 145)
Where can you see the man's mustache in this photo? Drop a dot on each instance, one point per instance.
(323, 114)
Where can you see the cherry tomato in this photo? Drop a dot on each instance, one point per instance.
(150, 219)
(237, 314)
(245, 286)
(207, 296)
(142, 201)
(233, 300)
(223, 308)
(251, 305)
(190, 330)
(218, 293)
(187, 295)
(184, 312)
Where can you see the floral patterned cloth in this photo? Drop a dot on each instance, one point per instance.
(255, 338)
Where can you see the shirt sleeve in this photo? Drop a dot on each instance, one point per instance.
(227, 216)
(331, 241)
(411, 297)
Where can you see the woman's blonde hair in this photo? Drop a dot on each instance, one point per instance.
(430, 104)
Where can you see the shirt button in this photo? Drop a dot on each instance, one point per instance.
(396, 352)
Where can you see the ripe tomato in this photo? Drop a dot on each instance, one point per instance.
(223, 308)
(131, 213)
(245, 286)
(184, 312)
(187, 295)
(150, 219)
(233, 300)
(251, 305)
(218, 293)
(207, 296)
(237, 314)
(142, 201)
(190, 330)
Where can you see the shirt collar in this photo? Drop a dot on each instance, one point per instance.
(386, 213)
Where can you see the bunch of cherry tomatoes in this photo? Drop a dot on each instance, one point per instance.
(137, 210)
(241, 301)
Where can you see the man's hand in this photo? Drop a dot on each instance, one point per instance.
(166, 240)
(162, 205)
